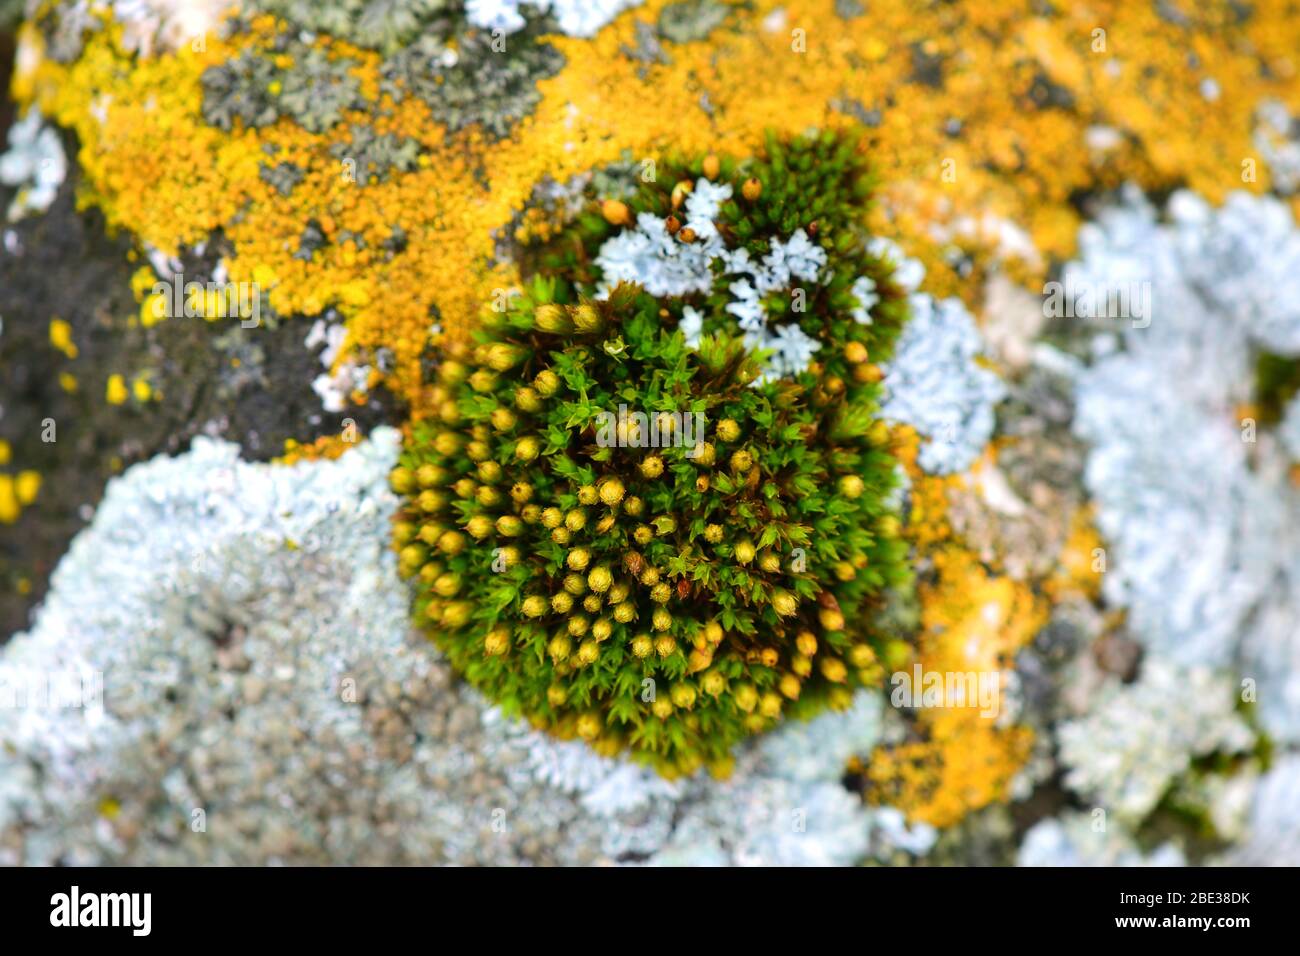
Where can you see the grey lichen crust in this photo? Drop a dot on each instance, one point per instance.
(482, 80)
(262, 701)
(691, 20)
(466, 73)
(185, 595)
(1140, 737)
(148, 26)
(378, 24)
(376, 155)
(1193, 730)
(1195, 499)
(314, 90)
(1078, 839)
(935, 382)
(449, 53)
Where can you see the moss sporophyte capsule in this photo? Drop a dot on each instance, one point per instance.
(683, 513)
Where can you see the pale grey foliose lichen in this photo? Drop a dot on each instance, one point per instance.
(1272, 827)
(935, 382)
(649, 256)
(34, 165)
(1202, 521)
(1078, 839)
(1137, 738)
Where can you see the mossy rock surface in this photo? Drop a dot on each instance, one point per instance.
(657, 539)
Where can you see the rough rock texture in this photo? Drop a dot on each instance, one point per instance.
(250, 385)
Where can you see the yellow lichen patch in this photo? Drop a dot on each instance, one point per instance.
(940, 781)
(142, 282)
(1082, 562)
(141, 390)
(972, 624)
(972, 618)
(16, 493)
(327, 447)
(115, 392)
(27, 486)
(9, 507)
(153, 305)
(61, 337)
(973, 621)
(983, 119)
(153, 310)
(147, 158)
(927, 522)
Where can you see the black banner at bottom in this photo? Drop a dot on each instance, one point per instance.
(341, 905)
